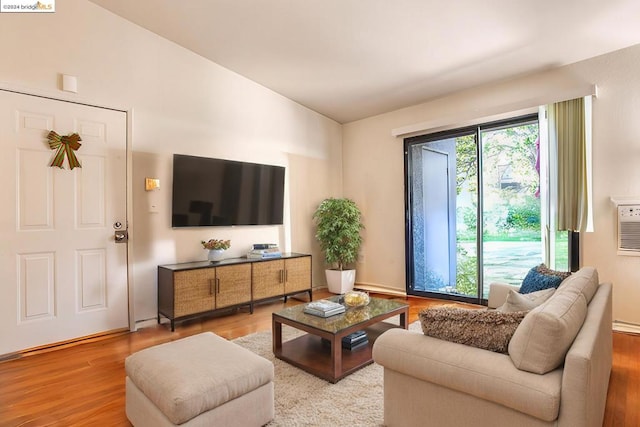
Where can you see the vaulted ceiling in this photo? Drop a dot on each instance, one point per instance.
(350, 59)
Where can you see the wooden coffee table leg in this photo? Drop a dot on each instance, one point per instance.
(277, 335)
(336, 357)
(404, 320)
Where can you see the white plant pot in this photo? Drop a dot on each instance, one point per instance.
(216, 254)
(340, 281)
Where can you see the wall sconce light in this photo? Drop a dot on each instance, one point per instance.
(151, 184)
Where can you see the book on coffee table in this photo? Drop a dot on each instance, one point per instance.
(355, 346)
(323, 313)
(351, 342)
(324, 308)
(355, 337)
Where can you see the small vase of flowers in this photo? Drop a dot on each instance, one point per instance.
(216, 248)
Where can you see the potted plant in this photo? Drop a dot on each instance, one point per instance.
(338, 231)
(216, 248)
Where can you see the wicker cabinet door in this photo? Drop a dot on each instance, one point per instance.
(233, 285)
(298, 274)
(268, 279)
(194, 291)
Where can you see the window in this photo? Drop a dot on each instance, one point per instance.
(476, 208)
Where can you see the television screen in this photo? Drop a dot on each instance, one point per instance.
(209, 192)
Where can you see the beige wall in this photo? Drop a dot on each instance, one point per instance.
(373, 164)
(184, 104)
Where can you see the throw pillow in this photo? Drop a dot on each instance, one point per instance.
(524, 302)
(487, 329)
(542, 277)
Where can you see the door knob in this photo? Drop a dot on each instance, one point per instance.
(121, 236)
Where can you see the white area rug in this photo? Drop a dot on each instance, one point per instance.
(302, 399)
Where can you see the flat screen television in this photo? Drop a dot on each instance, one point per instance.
(210, 192)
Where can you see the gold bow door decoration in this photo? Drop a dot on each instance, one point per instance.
(66, 145)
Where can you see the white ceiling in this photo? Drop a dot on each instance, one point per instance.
(350, 59)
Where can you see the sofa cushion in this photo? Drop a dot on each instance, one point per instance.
(540, 343)
(487, 329)
(472, 371)
(524, 302)
(541, 277)
(586, 280)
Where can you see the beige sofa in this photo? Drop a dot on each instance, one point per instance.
(432, 382)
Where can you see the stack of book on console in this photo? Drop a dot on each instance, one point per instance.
(264, 251)
(324, 308)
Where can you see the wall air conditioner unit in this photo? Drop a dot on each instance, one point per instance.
(629, 230)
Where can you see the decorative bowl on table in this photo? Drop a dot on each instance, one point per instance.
(356, 299)
(357, 314)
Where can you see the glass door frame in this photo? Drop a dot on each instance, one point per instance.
(475, 130)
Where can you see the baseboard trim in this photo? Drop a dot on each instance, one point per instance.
(64, 344)
(147, 323)
(620, 326)
(372, 287)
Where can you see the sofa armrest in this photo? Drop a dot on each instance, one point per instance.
(498, 294)
(588, 364)
(487, 375)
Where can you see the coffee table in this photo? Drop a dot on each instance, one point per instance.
(329, 360)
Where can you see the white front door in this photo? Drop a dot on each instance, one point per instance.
(62, 275)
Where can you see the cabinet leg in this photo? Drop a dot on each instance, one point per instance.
(158, 318)
(250, 308)
(285, 298)
(173, 326)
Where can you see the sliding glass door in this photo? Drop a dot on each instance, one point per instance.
(511, 210)
(443, 202)
(474, 211)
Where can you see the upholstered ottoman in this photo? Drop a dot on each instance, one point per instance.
(202, 380)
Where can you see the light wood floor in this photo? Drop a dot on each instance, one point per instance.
(83, 385)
